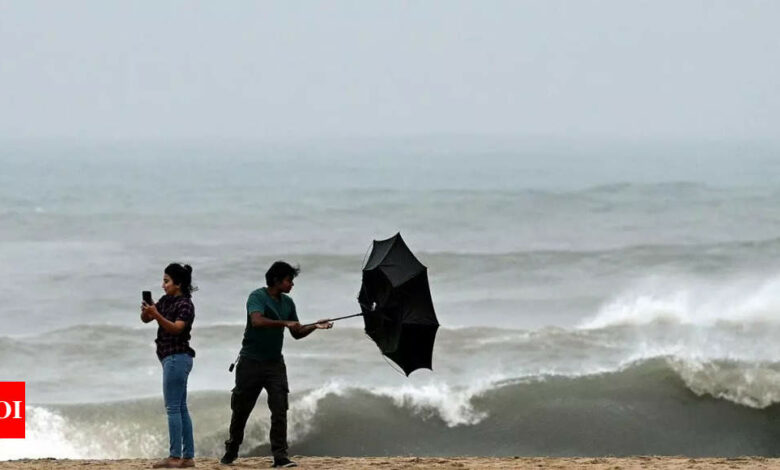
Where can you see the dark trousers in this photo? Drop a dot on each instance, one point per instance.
(251, 378)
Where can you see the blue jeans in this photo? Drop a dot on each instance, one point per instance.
(176, 369)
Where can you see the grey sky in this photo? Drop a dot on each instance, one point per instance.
(267, 70)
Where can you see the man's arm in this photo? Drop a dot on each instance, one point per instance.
(259, 321)
(303, 331)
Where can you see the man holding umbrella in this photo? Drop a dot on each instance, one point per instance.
(261, 364)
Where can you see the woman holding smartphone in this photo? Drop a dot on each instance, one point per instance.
(174, 313)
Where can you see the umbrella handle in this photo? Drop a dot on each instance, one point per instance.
(338, 318)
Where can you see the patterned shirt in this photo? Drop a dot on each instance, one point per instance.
(175, 308)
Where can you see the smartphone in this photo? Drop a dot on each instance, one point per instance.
(146, 296)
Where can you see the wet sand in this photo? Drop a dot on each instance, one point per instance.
(447, 463)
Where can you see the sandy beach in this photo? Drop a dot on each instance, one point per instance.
(392, 463)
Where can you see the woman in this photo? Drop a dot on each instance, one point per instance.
(174, 313)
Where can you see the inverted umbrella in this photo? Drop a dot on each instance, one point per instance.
(396, 305)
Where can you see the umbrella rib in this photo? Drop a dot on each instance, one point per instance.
(393, 366)
(368, 250)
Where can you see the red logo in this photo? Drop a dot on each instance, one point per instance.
(11, 410)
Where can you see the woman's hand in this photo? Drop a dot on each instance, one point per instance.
(150, 311)
(144, 317)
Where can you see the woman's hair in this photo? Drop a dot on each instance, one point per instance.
(181, 275)
(280, 270)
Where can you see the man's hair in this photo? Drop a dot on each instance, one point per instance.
(280, 270)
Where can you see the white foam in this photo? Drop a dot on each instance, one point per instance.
(451, 404)
(752, 385)
(45, 436)
(301, 414)
(50, 435)
(692, 302)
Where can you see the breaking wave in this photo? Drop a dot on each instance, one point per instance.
(659, 406)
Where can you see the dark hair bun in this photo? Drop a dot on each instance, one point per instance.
(181, 275)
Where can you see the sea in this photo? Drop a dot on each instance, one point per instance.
(596, 297)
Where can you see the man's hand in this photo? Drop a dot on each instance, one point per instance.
(302, 331)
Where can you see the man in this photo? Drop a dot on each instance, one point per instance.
(261, 364)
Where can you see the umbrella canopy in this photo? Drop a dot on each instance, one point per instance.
(396, 302)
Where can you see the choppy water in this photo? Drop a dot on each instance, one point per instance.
(606, 300)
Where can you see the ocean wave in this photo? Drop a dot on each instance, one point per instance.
(647, 407)
(658, 406)
(83, 364)
(749, 300)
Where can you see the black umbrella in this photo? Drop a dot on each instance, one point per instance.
(396, 305)
(396, 302)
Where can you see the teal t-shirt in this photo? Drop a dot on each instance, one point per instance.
(266, 343)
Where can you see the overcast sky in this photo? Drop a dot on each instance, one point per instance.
(278, 70)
